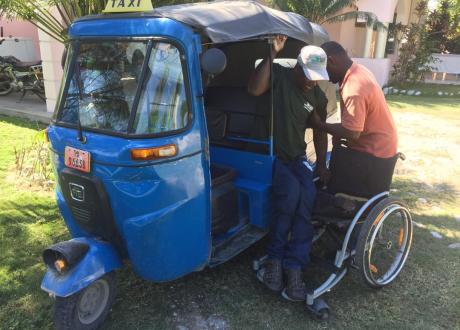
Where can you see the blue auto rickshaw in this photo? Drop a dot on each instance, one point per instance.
(162, 158)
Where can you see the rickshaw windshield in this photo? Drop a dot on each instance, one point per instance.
(115, 83)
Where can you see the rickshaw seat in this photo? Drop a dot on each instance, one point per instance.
(231, 112)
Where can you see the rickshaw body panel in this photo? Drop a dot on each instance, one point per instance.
(100, 259)
(161, 207)
(254, 180)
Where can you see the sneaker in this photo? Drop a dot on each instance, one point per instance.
(295, 289)
(272, 275)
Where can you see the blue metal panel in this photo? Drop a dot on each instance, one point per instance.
(254, 180)
(249, 165)
(161, 208)
(100, 259)
(131, 27)
(259, 194)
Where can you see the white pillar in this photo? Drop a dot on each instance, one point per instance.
(51, 53)
(381, 42)
(367, 42)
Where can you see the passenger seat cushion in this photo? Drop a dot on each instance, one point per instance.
(236, 107)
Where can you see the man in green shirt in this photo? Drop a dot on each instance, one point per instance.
(296, 96)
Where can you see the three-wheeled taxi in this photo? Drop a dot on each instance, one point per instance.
(161, 156)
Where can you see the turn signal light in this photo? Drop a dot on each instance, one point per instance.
(169, 150)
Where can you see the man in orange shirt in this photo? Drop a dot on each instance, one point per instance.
(364, 167)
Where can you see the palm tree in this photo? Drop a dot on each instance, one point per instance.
(54, 17)
(328, 11)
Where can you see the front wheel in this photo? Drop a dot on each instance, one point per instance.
(6, 84)
(88, 308)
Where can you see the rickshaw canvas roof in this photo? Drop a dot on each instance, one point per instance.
(230, 21)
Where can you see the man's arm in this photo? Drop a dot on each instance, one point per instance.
(353, 118)
(338, 131)
(320, 142)
(259, 81)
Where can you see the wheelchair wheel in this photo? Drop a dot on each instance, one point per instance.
(384, 242)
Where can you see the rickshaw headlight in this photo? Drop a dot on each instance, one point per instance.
(64, 255)
(60, 265)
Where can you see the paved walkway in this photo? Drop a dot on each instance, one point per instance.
(31, 107)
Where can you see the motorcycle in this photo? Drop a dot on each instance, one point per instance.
(21, 77)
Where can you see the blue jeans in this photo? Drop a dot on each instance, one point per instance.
(294, 196)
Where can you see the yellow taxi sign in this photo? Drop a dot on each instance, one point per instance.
(127, 6)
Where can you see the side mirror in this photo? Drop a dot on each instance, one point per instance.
(213, 61)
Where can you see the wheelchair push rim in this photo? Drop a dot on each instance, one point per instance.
(386, 243)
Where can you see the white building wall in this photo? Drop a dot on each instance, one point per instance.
(380, 67)
(51, 53)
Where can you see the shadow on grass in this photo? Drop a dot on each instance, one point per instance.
(232, 295)
(21, 122)
(27, 226)
(229, 296)
(411, 190)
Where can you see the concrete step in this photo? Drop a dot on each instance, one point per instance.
(31, 107)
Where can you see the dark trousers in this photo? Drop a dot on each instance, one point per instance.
(358, 173)
(291, 232)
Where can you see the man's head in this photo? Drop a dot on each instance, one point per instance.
(311, 66)
(338, 61)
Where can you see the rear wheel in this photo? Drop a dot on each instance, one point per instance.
(384, 242)
(88, 308)
(6, 84)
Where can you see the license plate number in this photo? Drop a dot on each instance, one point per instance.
(77, 159)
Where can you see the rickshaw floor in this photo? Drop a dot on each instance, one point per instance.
(236, 244)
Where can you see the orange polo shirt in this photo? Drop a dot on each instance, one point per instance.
(364, 109)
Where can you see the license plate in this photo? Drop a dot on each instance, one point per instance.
(77, 159)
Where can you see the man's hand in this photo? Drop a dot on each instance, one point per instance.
(278, 43)
(323, 173)
(336, 140)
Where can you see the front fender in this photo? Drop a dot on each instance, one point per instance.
(100, 259)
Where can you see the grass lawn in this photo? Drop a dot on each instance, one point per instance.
(425, 296)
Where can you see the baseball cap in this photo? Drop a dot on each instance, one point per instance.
(313, 61)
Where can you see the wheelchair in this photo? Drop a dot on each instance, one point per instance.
(375, 242)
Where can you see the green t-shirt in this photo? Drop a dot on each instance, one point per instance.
(292, 108)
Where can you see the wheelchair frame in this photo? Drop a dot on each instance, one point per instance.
(313, 301)
(342, 254)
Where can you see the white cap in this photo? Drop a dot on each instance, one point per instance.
(313, 61)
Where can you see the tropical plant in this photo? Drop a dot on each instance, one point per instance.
(415, 54)
(53, 17)
(444, 28)
(328, 11)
